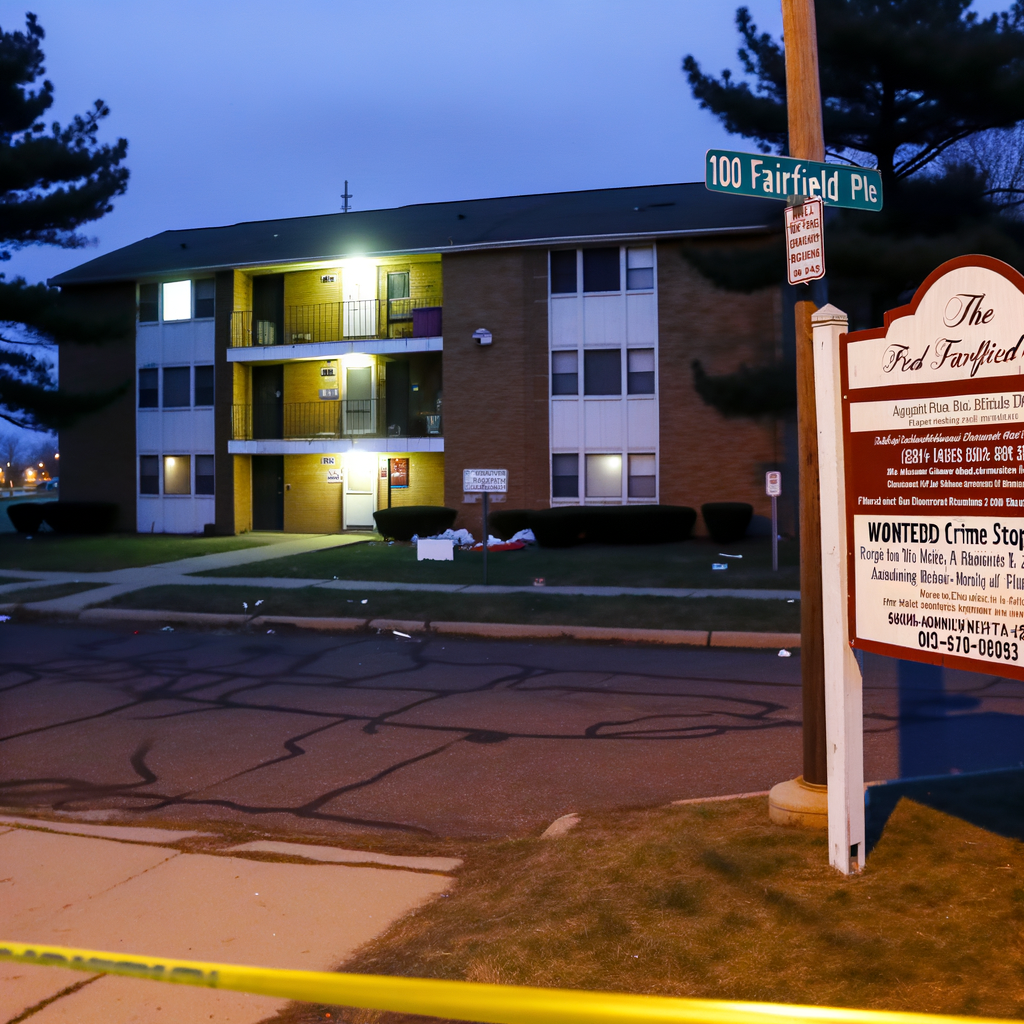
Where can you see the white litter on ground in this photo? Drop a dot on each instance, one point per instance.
(455, 536)
(526, 536)
(784, 653)
(400, 633)
(719, 565)
(722, 554)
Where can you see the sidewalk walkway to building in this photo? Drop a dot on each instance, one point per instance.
(214, 900)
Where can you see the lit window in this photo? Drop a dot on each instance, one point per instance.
(639, 269)
(602, 372)
(204, 385)
(564, 373)
(563, 271)
(177, 387)
(604, 476)
(640, 371)
(601, 270)
(643, 470)
(149, 474)
(204, 474)
(178, 300)
(565, 476)
(148, 389)
(149, 303)
(205, 292)
(177, 474)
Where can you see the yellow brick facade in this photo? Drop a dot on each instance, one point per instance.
(426, 480)
(311, 504)
(243, 493)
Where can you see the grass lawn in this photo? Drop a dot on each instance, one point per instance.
(53, 552)
(713, 901)
(45, 592)
(648, 612)
(686, 564)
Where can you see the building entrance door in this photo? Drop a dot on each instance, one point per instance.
(359, 282)
(360, 489)
(268, 402)
(268, 492)
(359, 411)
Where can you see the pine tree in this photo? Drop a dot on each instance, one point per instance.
(908, 87)
(52, 181)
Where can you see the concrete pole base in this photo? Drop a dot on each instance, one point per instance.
(798, 803)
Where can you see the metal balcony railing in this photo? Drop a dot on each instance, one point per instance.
(308, 421)
(356, 320)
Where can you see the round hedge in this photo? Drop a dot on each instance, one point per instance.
(727, 521)
(405, 521)
(611, 524)
(87, 517)
(27, 517)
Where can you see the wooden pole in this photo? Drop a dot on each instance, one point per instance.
(807, 142)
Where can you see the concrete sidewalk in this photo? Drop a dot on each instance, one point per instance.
(186, 895)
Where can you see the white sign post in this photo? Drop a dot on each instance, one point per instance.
(485, 482)
(805, 242)
(773, 488)
(844, 713)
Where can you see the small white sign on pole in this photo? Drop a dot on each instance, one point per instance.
(805, 242)
(773, 483)
(485, 481)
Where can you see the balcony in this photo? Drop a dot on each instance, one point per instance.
(362, 320)
(321, 421)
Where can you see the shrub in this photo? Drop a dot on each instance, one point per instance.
(402, 522)
(611, 524)
(27, 517)
(507, 522)
(727, 520)
(81, 516)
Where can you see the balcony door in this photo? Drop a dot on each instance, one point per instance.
(359, 283)
(359, 404)
(268, 309)
(360, 491)
(268, 402)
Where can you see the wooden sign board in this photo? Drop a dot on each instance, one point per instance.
(933, 437)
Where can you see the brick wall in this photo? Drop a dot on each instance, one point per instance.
(242, 491)
(311, 504)
(496, 397)
(426, 481)
(97, 454)
(704, 455)
(223, 382)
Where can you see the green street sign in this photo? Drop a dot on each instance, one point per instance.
(779, 177)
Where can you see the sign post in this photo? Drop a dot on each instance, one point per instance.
(773, 488)
(485, 482)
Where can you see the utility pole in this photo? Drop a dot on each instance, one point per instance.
(803, 801)
(346, 196)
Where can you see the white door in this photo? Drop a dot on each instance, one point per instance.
(360, 489)
(359, 283)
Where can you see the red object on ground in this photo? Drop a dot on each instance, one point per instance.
(512, 545)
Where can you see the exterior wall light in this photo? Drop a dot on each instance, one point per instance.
(482, 336)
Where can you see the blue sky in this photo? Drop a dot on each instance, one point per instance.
(245, 111)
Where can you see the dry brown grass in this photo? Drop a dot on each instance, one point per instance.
(712, 901)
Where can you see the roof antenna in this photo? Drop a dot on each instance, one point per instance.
(346, 195)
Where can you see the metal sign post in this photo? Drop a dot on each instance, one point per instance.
(485, 482)
(773, 488)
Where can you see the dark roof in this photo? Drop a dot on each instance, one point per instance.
(650, 210)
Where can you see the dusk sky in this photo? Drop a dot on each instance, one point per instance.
(248, 111)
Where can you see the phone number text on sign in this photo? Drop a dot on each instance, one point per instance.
(952, 586)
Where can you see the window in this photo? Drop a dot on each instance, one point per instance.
(640, 371)
(204, 474)
(149, 395)
(604, 476)
(643, 470)
(398, 285)
(178, 300)
(177, 474)
(149, 303)
(565, 476)
(601, 270)
(149, 474)
(177, 387)
(206, 291)
(563, 271)
(602, 371)
(564, 373)
(204, 385)
(639, 269)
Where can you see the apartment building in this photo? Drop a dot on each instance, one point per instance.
(299, 374)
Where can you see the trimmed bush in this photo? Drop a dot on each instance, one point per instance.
(507, 522)
(611, 524)
(727, 520)
(90, 517)
(27, 517)
(424, 520)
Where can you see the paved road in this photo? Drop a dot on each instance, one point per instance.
(326, 734)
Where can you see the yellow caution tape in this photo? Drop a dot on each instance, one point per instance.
(459, 1000)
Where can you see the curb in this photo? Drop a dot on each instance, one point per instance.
(488, 630)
